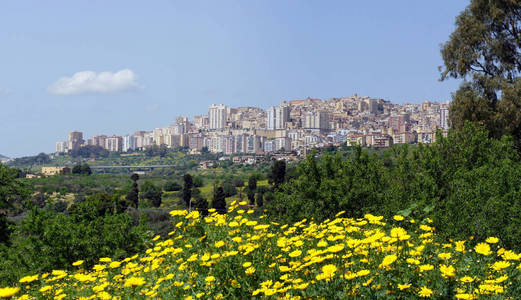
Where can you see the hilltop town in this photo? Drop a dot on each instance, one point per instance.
(293, 125)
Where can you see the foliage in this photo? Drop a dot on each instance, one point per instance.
(468, 183)
(486, 46)
(219, 199)
(172, 186)
(252, 188)
(187, 189)
(45, 240)
(229, 188)
(330, 185)
(278, 173)
(90, 151)
(133, 194)
(239, 257)
(198, 181)
(156, 150)
(201, 204)
(82, 169)
(12, 189)
(39, 159)
(151, 192)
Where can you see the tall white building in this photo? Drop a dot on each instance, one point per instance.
(217, 116)
(61, 147)
(129, 143)
(277, 116)
(148, 139)
(316, 120)
(444, 118)
(114, 143)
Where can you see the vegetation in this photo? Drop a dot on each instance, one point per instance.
(187, 189)
(233, 256)
(252, 188)
(486, 49)
(151, 192)
(90, 151)
(468, 184)
(425, 221)
(81, 169)
(133, 193)
(46, 240)
(219, 200)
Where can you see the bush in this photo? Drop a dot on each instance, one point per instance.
(342, 258)
(46, 240)
(172, 186)
(467, 182)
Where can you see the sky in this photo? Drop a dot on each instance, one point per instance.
(115, 67)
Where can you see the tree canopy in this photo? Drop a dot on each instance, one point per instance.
(485, 50)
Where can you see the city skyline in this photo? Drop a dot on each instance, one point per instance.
(115, 68)
(296, 125)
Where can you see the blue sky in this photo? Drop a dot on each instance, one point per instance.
(115, 67)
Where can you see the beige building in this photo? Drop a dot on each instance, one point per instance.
(51, 171)
(114, 143)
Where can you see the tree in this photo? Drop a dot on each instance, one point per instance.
(229, 188)
(163, 150)
(46, 241)
(132, 195)
(4, 229)
(261, 190)
(486, 48)
(278, 173)
(11, 188)
(85, 169)
(238, 182)
(76, 169)
(172, 186)
(219, 200)
(187, 189)
(152, 193)
(252, 188)
(197, 181)
(90, 151)
(201, 204)
(82, 169)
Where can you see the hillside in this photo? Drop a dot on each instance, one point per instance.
(4, 158)
(238, 256)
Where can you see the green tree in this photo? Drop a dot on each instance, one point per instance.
(12, 189)
(46, 240)
(76, 169)
(151, 192)
(252, 188)
(172, 186)
(219, 200)
(261, 190)
(486, 49)
(229, 188)
(278, 173)
(201, 204)
(198, 181)
(187, 189)
(133, 194)
(85, 169)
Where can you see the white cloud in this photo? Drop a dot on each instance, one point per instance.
(90, 82)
